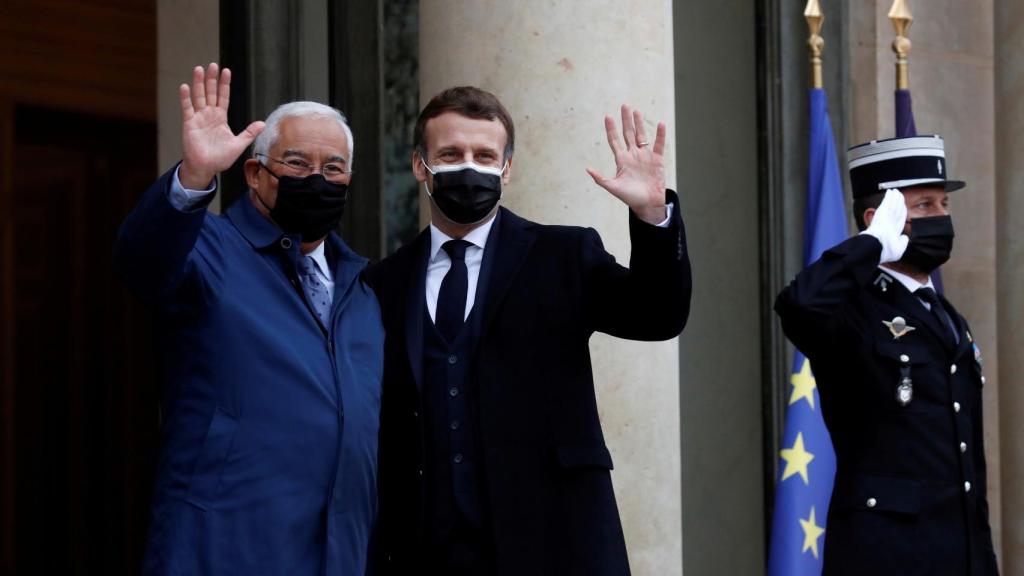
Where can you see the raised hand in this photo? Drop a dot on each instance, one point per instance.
(639, 179)
(887, 224)
(208, 145)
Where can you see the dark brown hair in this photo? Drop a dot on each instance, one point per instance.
(863, 203)
(468, 101)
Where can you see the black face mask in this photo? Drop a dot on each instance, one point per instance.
(310, 206)
(931, 242)
(466, 193)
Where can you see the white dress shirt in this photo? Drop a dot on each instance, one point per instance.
(911, 284)
(440, 262)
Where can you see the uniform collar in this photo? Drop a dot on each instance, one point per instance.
(909, 283)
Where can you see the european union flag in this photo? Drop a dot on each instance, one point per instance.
(807, 460)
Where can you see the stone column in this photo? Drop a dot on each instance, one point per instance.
(1009, 84)
(560, 68)
(187, 35)
(953, 84)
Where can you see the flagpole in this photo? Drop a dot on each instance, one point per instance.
(901, 19)
(814, 17)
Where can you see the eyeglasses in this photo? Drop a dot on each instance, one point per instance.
(299, 168)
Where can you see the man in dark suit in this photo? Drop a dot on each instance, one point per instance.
(900, 376)
(492, 459)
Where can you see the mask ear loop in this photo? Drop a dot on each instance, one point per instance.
(256, 193)
(425, 185)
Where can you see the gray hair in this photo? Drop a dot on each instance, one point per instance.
(303, 108)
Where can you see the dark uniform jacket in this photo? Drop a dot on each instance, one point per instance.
(547, 485)
(909, 494)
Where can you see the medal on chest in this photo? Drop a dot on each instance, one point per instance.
(905, 389)
(898, 327)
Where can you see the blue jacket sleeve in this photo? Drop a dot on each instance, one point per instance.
(155, 242)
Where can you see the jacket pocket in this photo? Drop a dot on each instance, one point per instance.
(584, 455)
(216, 446)
(902, 353)
(878, 494)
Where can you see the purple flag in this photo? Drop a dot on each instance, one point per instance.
(905, 127)
(904, 115)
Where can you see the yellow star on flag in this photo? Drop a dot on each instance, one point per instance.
(811, 533)
(796, 459)
(803, 385)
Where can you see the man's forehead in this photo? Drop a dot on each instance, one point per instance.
(306, 134)
(453, 129)
(930, 192)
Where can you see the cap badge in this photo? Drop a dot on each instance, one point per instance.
(898, 327)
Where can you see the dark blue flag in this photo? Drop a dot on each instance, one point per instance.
(905, 127)
(904, 115)
(807, 461)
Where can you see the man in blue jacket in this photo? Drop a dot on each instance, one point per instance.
(272, 348)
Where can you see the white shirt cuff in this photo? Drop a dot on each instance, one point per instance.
(668, 216)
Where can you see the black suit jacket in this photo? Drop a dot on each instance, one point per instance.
(901, 503)
(547, 484)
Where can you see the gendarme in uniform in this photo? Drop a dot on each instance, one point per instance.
(899, 374)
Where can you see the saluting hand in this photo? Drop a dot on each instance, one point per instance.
(208, 145)
(639, 167)
(887, 225)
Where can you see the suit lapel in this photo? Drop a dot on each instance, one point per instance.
(961, 328)
(415, 304)
(501, 264)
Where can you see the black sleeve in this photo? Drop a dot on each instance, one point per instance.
(812, 308)
(650, 300)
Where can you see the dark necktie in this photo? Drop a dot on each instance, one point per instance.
(929, 296)
(316, 292)
(451, 299)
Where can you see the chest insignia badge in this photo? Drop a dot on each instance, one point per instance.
(898, 327)
(905, 392)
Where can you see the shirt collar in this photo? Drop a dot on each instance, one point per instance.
(908, 282)
(319, 256)
(477, 237)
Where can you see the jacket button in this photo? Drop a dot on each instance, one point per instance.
(286, 243)
(904, 358)
(452, 359)
(963, 447)
(967, 486)
(415, 414)
(983, 380)
(454, 425)
(420, 471)
(458, 458)
(871, 502)
(453, 391)
(956, 406)
(952, 369)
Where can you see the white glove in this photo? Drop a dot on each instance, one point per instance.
(887, 225)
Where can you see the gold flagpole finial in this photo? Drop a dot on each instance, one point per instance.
(901, 19)
(814, 17)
